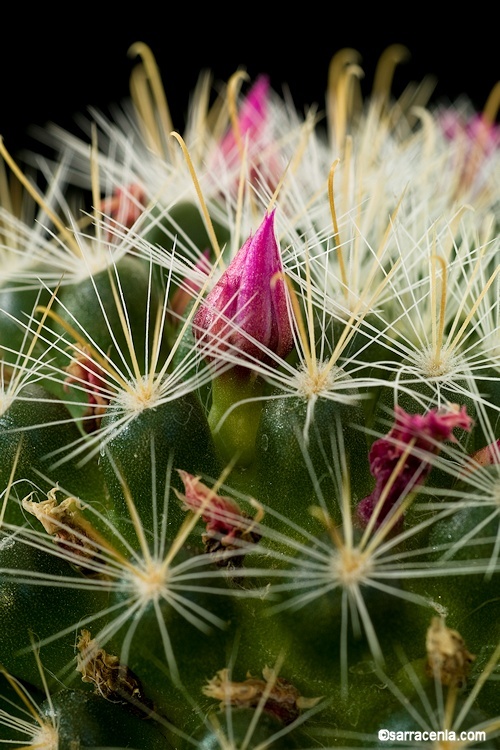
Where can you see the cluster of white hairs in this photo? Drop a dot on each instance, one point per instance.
(386, 216)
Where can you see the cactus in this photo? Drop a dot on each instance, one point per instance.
(249, 409)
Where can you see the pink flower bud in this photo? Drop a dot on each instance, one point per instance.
(254, 133)
(415, 434)
(247, 312)
(252, 119)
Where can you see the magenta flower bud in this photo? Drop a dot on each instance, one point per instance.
(246, 312)
(415, 435)
(253, 135)
(252, 119)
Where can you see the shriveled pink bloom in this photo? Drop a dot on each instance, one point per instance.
(227, 526)
(248, 302)
(415, 435)
(222, 515)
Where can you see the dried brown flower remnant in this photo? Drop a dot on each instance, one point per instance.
(448, 660)
(56, 518)
(279, 697)
(72, 532)
(113, 680)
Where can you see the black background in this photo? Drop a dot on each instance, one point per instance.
(54, 64)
